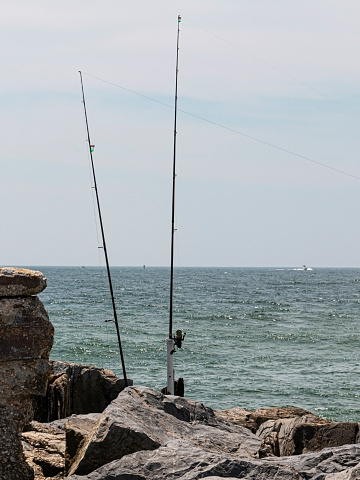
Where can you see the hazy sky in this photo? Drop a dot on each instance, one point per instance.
(286, 73)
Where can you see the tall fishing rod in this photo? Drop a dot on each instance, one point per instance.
(91, 149)
(171, 339)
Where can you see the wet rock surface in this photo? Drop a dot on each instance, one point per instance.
(26, 337)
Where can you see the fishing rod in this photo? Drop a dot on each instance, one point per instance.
(171, 341)
(91, 149)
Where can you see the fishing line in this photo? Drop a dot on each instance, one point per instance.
(216, 124)
(277, 69)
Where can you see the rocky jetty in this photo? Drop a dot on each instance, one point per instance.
(26, 338)
(145, 435)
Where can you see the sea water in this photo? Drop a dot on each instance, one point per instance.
(255, 337)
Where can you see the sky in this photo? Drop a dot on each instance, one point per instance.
(268, 171)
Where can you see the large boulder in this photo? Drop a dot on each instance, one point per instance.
(252, 419)
(178, 459)
(338, 463)
(76, 389)
(26, 338)
(181, 460)
(77, 428)
(140, 419)
(308, 433)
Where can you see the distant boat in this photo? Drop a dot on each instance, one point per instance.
(304, 267)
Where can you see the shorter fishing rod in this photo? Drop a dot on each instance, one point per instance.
(91, 149)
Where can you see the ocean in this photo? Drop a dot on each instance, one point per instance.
(255, 337)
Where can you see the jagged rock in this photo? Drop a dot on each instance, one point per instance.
(253, 419)
(293, 436)
(22, 282)
(77, 429)
(26, 337)
(25, 331)
(142, 419)
(76, 389)
(44, 450)
(239, 416)
(180, 460)
(338, 463)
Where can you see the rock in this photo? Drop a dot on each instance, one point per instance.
(338, 463)
(77, 429)
(239, 416)
(146, 435)
(26, 337)
(44, 450)
(25, 331)
(253, 419)
(293, 436)
(180, 460)
(141, 419)
(76, 389)
(16, 282)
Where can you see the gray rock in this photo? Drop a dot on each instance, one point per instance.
(182, 461)
(77, 428)
(20, 282)
(141, 419)
(338, 463)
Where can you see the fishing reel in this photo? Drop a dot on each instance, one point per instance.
(178, 338)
